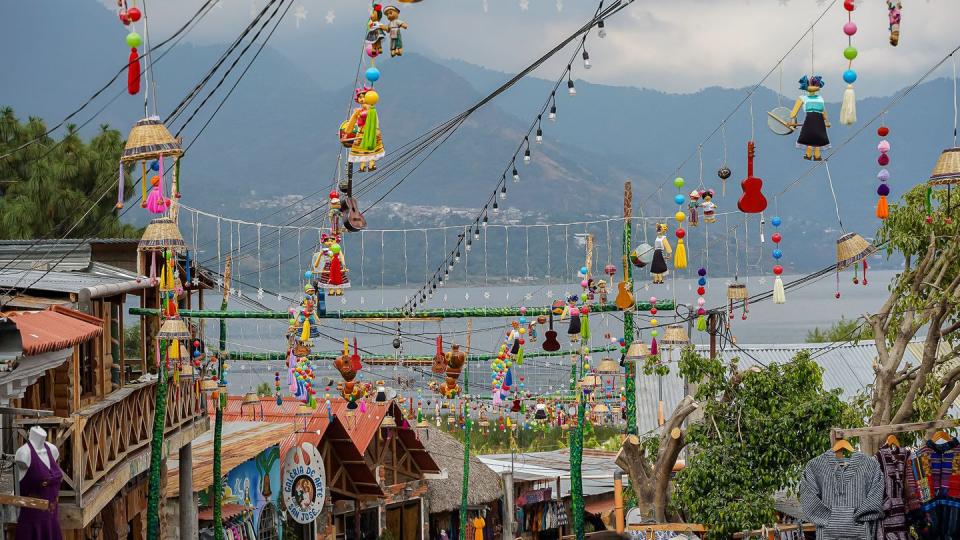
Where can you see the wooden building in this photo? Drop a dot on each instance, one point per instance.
(69, 305)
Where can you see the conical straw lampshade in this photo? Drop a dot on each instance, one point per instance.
(947, 169)
(638, 351)
(150, 139)
(737, 291)
(675, 334)
(607, 365)
(173, 329)
(589, 382)
(851, 249)
(250, 398)
(162, 233)
(208, 385)
(601, 408)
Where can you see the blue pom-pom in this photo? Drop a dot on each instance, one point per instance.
(523, 320)
(776, 253)
(583, 270)
(154, 165)
(849, 76)
(373, 74)
(775, 220)
(702, 281)
(308, 274)
(678, 198)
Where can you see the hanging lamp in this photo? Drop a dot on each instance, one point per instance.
(675, 334)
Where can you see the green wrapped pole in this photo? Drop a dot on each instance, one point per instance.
(576, 455)
(156, 451)
(630, 388)
(466, 462)
(504, 312)
(218, 431)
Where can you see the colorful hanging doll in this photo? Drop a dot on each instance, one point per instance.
(330, 264)
(894, 7)
(708, 206)
(573, 312)
(393, 26)
(156, 202)
(374, 39)
(362, 130)
(813, 133)
(660, 245)
(692, 205)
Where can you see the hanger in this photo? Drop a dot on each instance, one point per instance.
(893, 441)
(941, 436)
(842, 445)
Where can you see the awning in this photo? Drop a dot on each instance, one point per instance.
(55, 329)
(241, 441)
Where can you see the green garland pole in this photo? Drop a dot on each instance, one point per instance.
(466, 460)
(576, 456)
(218, 421)
(156, 451)
(631, 383)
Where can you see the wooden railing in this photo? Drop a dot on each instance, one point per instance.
(95, 440)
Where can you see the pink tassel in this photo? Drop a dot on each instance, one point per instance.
(363, 406)
(653, 347)
(864, 271)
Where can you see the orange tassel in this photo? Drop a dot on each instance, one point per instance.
(883, 211)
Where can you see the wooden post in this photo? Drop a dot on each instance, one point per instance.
(618, 499)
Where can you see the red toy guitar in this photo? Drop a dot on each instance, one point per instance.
(752, 201)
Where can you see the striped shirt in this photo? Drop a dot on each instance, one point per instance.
(843, 497)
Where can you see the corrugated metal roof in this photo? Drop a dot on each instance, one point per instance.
(48, 331)
(598, 469)
(847, 366)
(64, 282)
(45, 255)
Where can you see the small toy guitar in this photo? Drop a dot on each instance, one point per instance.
(550, 343)
(439, 359)
(752, 201)
(353, 219)
(355, 361)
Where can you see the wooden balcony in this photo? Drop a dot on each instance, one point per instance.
(106, 444)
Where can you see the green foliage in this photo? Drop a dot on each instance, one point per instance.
(759, 428)
(46, 187)
(538, 438)
(131, 341)
(264, 390)
(842, 330)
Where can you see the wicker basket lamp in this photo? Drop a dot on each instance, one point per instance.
(737, 291)
(150, 139)
(852, 249)
(675, 334)
(947, 169)
(161, 234)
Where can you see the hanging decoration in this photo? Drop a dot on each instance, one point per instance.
(752, 201)
(150, 140)
(658, 266)
(947, 170)
(392, 27)
(813, 131)
(362, 131)
(737, 292)
(701, 301)
(330, 266)
(883, 190)
(852, 249)
(680, 255)
(375, 34)
(692, 207)
(893, 11)
(707, 205)
(848, 107)
(779, 295)
(128, 15)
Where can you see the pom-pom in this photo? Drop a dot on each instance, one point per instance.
(883, 190)
(848, 108)
(883, 131)
(373, 74)
(134, 14)
(134, 39)
(849, 28)
(883, 209)
(883, 146)
(883, 175)
(883, 160)
(702, 272)
(849, 76)
(678, 182)
(776, 237)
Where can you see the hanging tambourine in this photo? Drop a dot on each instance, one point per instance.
(642, 256)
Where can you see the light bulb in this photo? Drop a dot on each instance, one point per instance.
(450, 266)
(496, 207)
(586, 59)
(503, 192)
(601, 30)
(570, 89)
(516, 175)
(526, 156)
(539, 138)
(485, 220)
(469, 244)
(553, 113)
(476, 233)
(441, 282)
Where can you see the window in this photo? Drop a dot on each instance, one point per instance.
(88, 380)
(269, 526)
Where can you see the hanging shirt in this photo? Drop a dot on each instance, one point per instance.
(843, 497)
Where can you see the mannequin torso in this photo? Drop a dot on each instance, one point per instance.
(37, 440)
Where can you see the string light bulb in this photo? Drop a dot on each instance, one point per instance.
(601, 30)
(503, 191)
(539, 138)
(476, 233)
(552, 116)
(570, 88)
(516, 174)
(485, 219)
(526, 153)
(496, 207)
(586, 59)
(469, 244)
(456, 258)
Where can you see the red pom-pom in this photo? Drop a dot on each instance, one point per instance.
(883, 131)
(522, 341)
(701, 291)
(883, 160)
(653, 311)
(584, 310)
(777, 269)
(776, 237)
(333, 194)
(848, 5)
(680, 232)
(124, 17)
(134, 14)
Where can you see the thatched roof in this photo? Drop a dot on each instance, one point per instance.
(444, 495)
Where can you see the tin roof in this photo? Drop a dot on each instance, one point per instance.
(92, 275)
(53, 330)
(546, 467)
(62, 255)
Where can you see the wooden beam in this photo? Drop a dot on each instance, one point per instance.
(843, 433)
(36, 413)
(23, 502)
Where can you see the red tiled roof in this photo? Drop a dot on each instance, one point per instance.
(55, 329)
(227, 511)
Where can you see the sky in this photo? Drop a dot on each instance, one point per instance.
(672, 46)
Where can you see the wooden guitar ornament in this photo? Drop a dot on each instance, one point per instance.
(624, 299)
(752, 201)
(353, 219)
(550, 344)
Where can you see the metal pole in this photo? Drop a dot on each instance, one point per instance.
(218, 533)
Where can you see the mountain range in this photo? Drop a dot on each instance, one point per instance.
(274, 141)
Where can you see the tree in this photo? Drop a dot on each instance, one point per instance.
(924, 296)
(842, 330)
(759, 428)
(264, 390)
(49, 187)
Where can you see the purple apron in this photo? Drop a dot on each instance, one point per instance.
(40, 482)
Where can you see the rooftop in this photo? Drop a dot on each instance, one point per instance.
(546, 467)
(54, 329)
(444, 495)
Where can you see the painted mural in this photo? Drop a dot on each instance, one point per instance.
(255, 484)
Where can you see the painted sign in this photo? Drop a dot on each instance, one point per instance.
(304, 483)
(255, 484)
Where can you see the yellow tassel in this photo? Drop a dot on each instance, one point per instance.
(305, 333)
(680, 255)
(883, 210)
(143, 184)
(174, 350)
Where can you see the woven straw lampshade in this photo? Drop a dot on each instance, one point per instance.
(173, 329)
(600, 408)
(389, 421)
(589, 382)
(208, 385)
(851, 249)
(150, 139)
(947, 169)
(251, 398)
(638, 351)
(737, 291)
(607, 365)
(675, 334)
(162, 233)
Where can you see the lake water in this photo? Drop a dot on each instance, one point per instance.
(810, 306)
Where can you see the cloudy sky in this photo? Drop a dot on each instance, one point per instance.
(674, 46)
